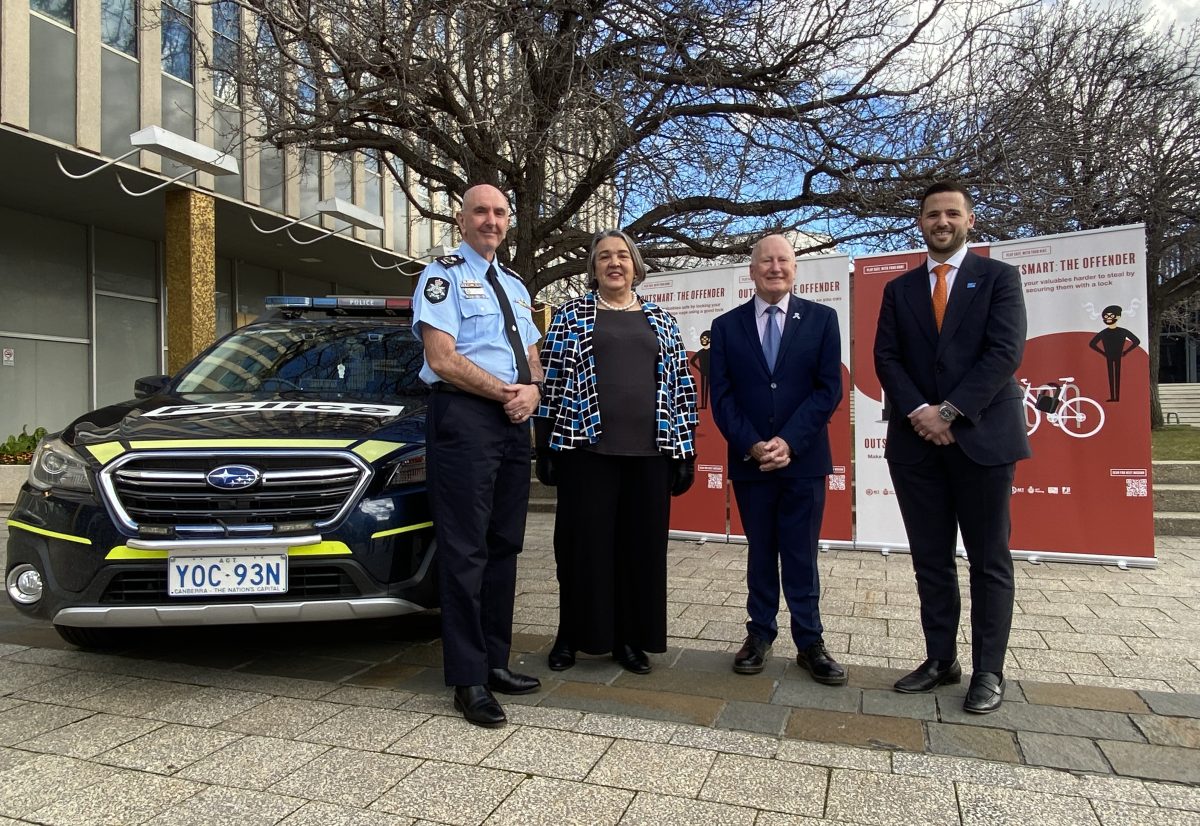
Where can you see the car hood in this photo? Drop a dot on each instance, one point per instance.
(259, 418)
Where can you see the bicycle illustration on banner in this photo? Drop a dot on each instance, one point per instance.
(1064, 406)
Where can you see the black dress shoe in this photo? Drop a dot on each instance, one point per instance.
(985, 693)
(478, 706)
(561, 656)
(509, 682)
(824, 669)
(632, 659)
(751, 658)
(929, 675)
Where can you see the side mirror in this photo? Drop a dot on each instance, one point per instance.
(149, 386)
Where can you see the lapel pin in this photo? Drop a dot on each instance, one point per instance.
(970, 285)
(796, 316)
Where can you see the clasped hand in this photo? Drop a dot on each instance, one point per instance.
(521, 401)
(930, 426)
(772, 454)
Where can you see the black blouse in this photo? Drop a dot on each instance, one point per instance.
(626, 353)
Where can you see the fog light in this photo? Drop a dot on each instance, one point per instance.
(24, 584)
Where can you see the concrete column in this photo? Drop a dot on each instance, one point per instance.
(14, 63)
(206, 132)
(191, 275)
(87, 74)
(291, 181)
(251, 127)
(358, 185)
(149, 45)
(385, 207)
(328, 188)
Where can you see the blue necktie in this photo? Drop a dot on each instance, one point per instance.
(770, 341)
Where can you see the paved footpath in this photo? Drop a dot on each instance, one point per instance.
(349, 723)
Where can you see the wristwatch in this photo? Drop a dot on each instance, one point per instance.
(541, 386)
(946, 412)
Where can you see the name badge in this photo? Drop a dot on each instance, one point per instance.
(472, 289)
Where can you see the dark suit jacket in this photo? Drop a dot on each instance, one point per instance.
(969, 364)
(794, 401)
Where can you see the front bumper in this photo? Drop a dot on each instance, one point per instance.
(237, 613)
(378, 562)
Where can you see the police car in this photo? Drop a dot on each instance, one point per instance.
(279, 477)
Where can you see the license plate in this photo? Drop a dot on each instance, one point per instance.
(193, 576)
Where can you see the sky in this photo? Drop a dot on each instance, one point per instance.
(1175, 11)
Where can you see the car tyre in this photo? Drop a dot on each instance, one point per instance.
(89, 637)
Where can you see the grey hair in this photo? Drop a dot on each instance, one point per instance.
(639, 266)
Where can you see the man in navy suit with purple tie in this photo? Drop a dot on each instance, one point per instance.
(775, 378)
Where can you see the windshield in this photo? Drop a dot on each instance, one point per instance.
(360, 361)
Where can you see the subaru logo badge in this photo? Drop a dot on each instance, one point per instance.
(233, 477)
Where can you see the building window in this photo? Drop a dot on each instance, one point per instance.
(61, 10)
(118, 25)
(226, 34)
(177, 38)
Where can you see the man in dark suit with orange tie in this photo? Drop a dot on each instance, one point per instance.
(775, 378)
(951, 334)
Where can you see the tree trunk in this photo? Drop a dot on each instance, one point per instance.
(1154, 345)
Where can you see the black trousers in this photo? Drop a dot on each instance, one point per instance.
(944, 492)
(610, 549)
(478, 475)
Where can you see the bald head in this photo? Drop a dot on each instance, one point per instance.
(775, 242)
(773, 268)
(483, 219)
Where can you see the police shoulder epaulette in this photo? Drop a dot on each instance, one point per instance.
(510, 271)
(450, 260)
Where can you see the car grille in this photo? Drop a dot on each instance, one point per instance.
(150, 587)
(169, 489)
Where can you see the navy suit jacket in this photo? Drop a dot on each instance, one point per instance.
(970, 363)
(794, 401)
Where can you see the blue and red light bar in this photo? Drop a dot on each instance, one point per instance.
(338, 302)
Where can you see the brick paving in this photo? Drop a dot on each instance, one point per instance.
(349, 723)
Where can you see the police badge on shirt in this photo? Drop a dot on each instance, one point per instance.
(436, 290)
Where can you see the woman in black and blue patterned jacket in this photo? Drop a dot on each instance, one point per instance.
(615, 433)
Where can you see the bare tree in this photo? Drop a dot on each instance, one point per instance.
(688, 122)
(1094, 120)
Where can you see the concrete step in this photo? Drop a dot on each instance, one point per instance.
(1175, 498)
(1176, 473)
(1176, 523)
(542, 499)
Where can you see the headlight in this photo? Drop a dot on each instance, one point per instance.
(57, 466)
(407, 470)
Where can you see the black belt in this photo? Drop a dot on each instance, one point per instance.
(447, 387)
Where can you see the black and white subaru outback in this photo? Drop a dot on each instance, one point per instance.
(279, 477)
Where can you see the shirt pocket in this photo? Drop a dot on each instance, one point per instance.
(481, 319)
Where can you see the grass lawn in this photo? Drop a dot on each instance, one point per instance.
(1175, 442)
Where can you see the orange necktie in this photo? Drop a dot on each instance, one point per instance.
(939, 294)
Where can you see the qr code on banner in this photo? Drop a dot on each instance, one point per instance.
(837, 481)
(715, 481)
(1136, 487)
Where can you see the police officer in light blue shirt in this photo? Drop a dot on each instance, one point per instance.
(453, 296)
(475, 321)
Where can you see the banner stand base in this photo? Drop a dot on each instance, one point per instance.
(1124, 563)
(835, 545)
(697, 536)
